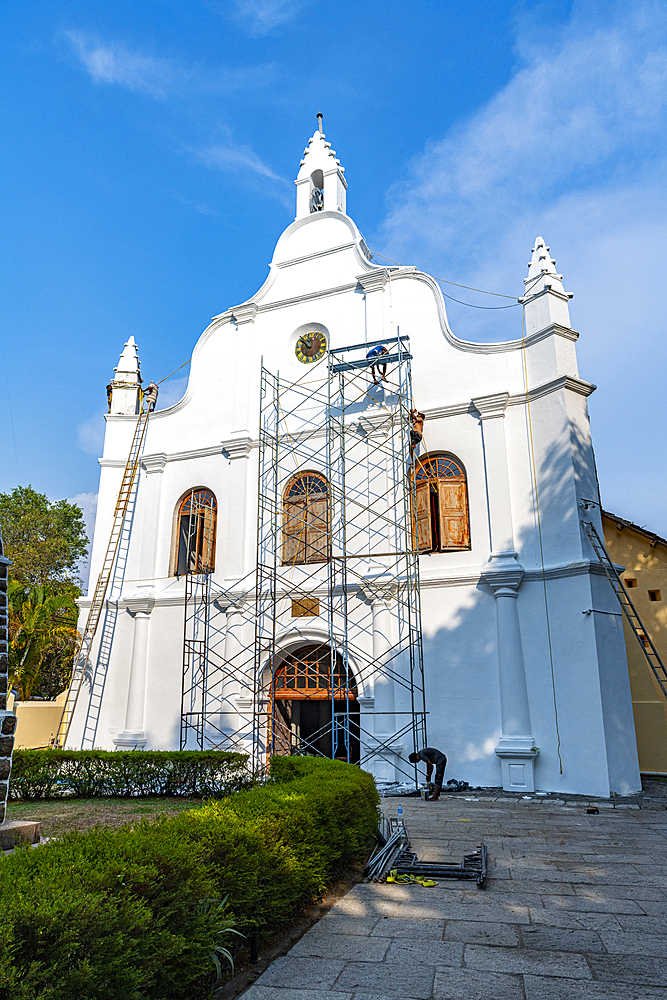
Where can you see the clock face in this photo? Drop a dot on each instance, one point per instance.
(311, 347)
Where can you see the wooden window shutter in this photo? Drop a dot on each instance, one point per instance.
(453, 511)
(423, 517)
(208, 516)
(294, 531)
(317, 531)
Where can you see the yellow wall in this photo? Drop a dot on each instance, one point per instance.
(648, 566)
(38, 721)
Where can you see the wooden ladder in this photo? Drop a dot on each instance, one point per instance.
(84, 645)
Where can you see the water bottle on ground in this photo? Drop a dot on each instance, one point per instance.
(400, 813)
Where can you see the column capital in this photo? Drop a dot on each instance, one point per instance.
(378, 589)
(375, 280)
(504, 574)
(140, 604)
(239, 447)
(245, 313)
(491, 406)
(154, 463)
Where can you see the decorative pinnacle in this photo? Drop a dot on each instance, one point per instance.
(320, 116)
(129, 366)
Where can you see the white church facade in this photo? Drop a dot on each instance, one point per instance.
(519, 683)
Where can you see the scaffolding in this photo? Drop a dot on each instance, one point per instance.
(336, 669)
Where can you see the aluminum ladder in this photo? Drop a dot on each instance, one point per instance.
(84, 645)
(627, 607)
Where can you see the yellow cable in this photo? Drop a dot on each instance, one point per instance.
(539, 532)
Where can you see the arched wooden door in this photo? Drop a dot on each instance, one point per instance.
(314, 707)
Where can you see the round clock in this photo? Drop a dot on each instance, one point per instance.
(311, 347)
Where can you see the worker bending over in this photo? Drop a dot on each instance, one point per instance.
(377, 369)
(432, 758)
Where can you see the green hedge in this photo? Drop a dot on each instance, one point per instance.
(44, 774)
(137, 912)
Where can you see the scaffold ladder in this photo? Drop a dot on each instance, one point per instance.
(627, 607)
(85, 642)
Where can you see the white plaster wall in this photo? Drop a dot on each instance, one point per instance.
(207, 440)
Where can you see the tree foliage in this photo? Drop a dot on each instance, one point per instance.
(40, 621)
(44, 540)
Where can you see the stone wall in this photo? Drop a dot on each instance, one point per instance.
(7, 719)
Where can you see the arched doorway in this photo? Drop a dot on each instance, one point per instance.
(314, 705)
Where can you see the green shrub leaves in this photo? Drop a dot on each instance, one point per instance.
(88, 774)
(144, 911)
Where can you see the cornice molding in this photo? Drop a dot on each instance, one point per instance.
(569, 382)
(231, 448)
(315, 256)
(460, 577)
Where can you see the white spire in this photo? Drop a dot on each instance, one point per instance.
(320, 185)
(123, 390)
(129, 366)
(546, 301)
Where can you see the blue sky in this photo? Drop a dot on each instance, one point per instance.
(148, 159)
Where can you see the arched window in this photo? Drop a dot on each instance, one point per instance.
(441, 501)
(197, 516)
(306, 519)
(307, 674)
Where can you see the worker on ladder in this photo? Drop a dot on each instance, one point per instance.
(150, 396)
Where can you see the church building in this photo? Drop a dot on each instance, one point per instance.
(306, 568)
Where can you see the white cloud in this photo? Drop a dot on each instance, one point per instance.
(114, 63)
(88, 504)
(171, 392)
(573, 148)
(230, 156)
(90, 434)
(246, 164)
(263, 16)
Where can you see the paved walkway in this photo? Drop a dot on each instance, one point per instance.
(575, 909)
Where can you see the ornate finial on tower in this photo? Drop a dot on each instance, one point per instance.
(123, 390)
(546, 301)
(320, 185)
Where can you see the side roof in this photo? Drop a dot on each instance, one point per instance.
(620, 522)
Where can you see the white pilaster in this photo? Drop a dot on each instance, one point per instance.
(133, 736)
(504, 574)
(152, 466)
(373, 284)
(380, 592)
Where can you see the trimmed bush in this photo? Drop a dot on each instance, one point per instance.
(137, 912)
(89, 774)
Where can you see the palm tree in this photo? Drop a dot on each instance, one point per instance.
(38, 620)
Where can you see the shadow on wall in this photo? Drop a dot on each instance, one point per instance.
(463, 695)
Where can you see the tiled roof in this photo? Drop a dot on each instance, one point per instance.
(621, 522)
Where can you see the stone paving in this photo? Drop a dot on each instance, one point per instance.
(574, 909)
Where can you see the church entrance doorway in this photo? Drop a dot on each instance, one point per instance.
(315, 707)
